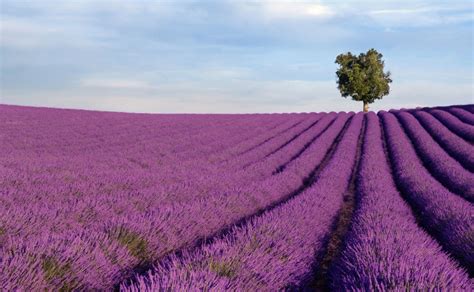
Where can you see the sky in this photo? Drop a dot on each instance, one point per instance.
(229, 56)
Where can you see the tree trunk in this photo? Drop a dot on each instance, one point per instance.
(366, 106)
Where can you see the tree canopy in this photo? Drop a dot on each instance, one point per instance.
(362, 77)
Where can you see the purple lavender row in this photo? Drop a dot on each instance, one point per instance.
(384, 248)
(442, 166)
(273, 251)
(260, 170)
(70, 157)
(452, 143)
(266, 192)
(464, 130)
(143, 162)
(275, 144)
(462, 114)
(179, 170)
(241, 131)
(221, 210)
(111, 128)
(119, 223)
(257, 175)
(254, 141)
(270, 164)
(66, 228)
(444, 214)
(468, 107)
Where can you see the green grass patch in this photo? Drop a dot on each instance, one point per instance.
(54, 271)
(136, 245)
(224, 268)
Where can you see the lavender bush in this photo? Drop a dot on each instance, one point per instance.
(452, 143)
(464, 130)
(462, 114)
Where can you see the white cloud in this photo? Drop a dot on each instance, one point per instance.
(421, 15)
(290, 9)
(399, 11)
(115, 83)
(43, 33)
(84, 7)
(274, 10)
(20, 33)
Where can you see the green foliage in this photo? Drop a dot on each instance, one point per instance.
(362, 77)
(224, 268)
(136, 245)
(55, 271)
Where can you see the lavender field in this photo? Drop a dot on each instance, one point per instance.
(254, 202)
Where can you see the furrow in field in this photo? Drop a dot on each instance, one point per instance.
(468, 107)
(443, 167)
(293, 150)
(204, 184)
(290, 140)
(323, 127)
(93, 200)
(270, 162)
(330, 134)
(452, 143)
(240, 133)
(326, 257)
(232, 137)
(105, 236)
(258, 172)
(263, 150)
(270, 252)
(463, 130)
(462, 114)
(234, 210)
(385, 249)
(270, 136)
(255, 130)
(263, 136)
(280, 146)
(443, 214)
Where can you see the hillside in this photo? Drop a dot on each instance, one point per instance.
(341, 201)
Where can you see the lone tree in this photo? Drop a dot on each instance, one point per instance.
(362, 77)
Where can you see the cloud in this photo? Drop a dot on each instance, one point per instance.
(399, 11)
(45, 33)
(291, 9)
(21, 33)
(422, 16)
(115, 83)
(284, 10)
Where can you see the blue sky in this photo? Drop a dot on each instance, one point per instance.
(229, 56)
